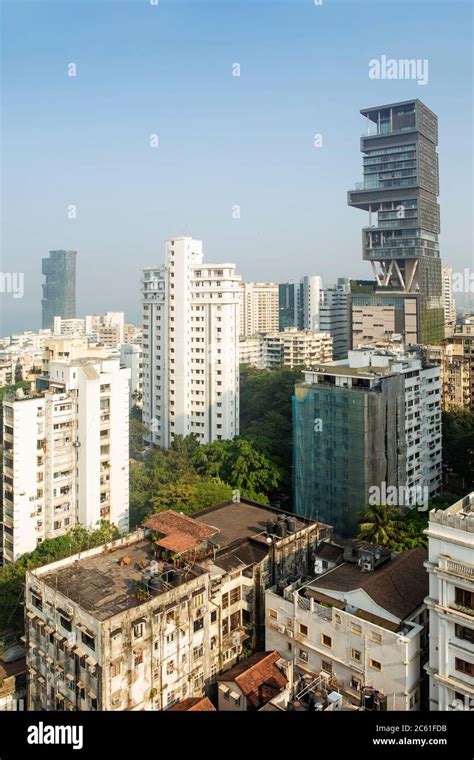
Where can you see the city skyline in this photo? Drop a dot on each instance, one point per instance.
(222, 140)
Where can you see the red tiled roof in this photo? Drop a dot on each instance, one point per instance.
(258, 677)
(179, 531)
(193, 704)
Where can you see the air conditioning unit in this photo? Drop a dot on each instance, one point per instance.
(280, 628)
(69, 610)
(289, 632)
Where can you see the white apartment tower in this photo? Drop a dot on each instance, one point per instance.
(449, 303)
(190, 346)
(451, 604)
(65, 454)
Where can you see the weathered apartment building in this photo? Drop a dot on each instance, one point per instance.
(155, 616)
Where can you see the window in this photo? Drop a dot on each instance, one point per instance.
(138, 659)
(213, 616)
(326, 640)
(375, 664)
(326, 666)
(303, 655)
(464, 598)
(170, 667)
(289, 646)
(303, 629)
(414, 699)
(235, 595)
(464, 667)
(356, 683)
(88, 640)
(198, 652)
(273, 614)
(115, 668)
(356, 628)
(198, 600)
(376, 637)
(466, 634)
(37, 602)
(356, 655)
(170, 638)
(65, 623)
(198, 624)
(138, 630)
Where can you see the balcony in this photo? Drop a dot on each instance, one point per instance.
(460, 568)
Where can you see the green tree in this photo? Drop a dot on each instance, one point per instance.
(381, 525)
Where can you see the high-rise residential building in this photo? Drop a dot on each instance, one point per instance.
(190, 346)
(358, 629)
(158, 615)
(258, 308)
(451, 606)
(299, 303)
(65, 453)
(334, 316)
(400, 191)
(59, 289)
(361, 426)
(449, 303)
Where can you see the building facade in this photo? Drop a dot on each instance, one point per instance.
(59, 288)
(400, 187)
(334, 316)
(258, 308)
(351, 629)
(369, 422)
(154, 617)
(65, 454)
(450, 602)
(190, 346)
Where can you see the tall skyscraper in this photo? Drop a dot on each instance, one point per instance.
(59, 289)
(372, 421)
(400, 188)
(258, 308)
(65, 453)
(190, 346)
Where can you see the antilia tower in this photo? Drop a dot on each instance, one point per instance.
(400, 191)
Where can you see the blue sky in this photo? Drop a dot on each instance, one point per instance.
(223, 140)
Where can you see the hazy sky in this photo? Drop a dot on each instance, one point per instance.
(224, 140)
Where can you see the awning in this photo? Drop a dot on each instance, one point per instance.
(59, 668)
(41, 653)
(40, 622)
(60, 697)
(48, 629)
(30, 615)
(69, 677)
(41, 679)
(90, 661)
(68, 644)
(49, 660)
(80, 685)
(79, 652)
(235, 696)
(31, 645)
(92, 695)
(58, 636)
(32, 671)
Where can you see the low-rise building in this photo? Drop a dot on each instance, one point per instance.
(154, 617)
(253, 683)
(360, 626)
(450, 602)
(12, 685)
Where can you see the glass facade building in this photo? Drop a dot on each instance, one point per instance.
(399, 191)
(59, 288)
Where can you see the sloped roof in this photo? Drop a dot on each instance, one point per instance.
(257, 677)
(180, 532)
(193, 704)
(399, 586)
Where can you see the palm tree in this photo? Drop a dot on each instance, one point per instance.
(381, 525)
